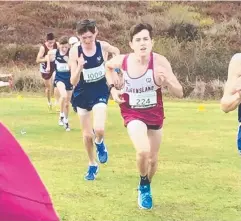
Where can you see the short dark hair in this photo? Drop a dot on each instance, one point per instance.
(50, 36)
(85, 26)
(135, 29)
(63, 40)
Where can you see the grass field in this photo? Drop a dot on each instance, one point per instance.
(198, 178)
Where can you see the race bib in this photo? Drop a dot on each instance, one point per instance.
(94, 74)
(43, 67)
(143, 100)
(62, 67)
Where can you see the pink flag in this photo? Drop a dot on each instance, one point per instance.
(23, 196)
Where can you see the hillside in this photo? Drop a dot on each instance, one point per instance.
(198, 38)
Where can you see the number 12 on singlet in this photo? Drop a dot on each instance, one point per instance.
(143, 100)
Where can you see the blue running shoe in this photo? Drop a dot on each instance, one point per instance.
(144, 197)
(239, 139)
(102, 153)
(92, 172)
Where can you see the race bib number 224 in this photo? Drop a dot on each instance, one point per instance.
(143, 100)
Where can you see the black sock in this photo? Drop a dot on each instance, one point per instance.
(144, 180)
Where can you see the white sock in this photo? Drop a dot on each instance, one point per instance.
(66, 120)
(98, 142)
(93, 164)
(61, 114)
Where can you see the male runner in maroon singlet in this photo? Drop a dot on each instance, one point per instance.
(49, 44)
(140, 99)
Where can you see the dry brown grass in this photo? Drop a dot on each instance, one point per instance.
(29, 80)
(25, 78)
(210, 90)
(198, 38)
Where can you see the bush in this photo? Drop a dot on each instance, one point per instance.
(194, 37)
(184, 32)
(25, 78)
(18, 53)
(203, 58)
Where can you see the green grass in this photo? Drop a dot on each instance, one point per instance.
(198, 178)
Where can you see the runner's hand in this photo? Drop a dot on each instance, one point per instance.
(81, 61)
(117, 96)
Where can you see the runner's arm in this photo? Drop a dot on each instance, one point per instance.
(111, 65)
(40, 57)
(231, 96)
(166, 77)
(108, 48)
(50, 58)
(76, 65)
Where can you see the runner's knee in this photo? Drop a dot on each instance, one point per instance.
(88, 137)
(143, 153)
(64, 95)
(67, 104)
(47, 86)
(153, 161)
